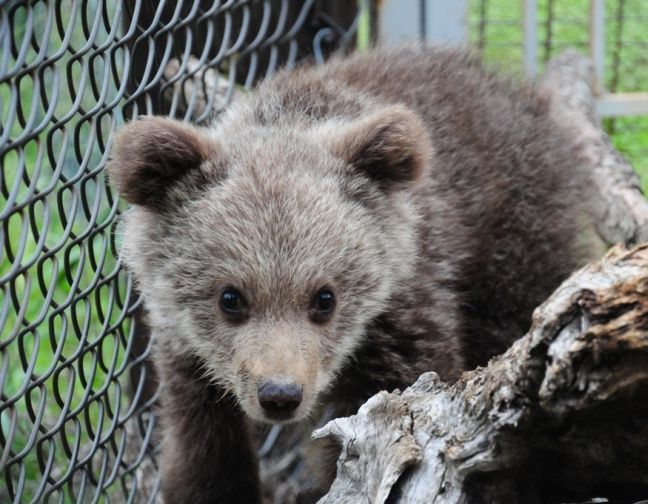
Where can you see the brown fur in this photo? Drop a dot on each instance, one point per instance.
(156, 154)
(438, 202)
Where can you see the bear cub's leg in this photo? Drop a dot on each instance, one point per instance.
(207, 455)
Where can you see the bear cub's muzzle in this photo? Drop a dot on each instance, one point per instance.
(279, 399)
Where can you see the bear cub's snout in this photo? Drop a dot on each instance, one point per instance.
(279, 399)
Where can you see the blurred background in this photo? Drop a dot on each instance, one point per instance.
(518, 37)
(76, 390)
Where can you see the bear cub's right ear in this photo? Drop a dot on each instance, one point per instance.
(390, 145)
(151, 155)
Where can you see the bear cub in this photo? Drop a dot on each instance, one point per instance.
(337, 232)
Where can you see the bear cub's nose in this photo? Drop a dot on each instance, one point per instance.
(279, 398)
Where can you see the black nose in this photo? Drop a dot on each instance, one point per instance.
(279, 397)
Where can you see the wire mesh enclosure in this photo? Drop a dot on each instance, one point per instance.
(76, 420)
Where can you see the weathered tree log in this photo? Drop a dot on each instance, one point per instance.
(620, 211)
(561, 415)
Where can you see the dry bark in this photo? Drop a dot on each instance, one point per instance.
(561, 414)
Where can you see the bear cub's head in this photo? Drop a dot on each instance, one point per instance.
(264, 250)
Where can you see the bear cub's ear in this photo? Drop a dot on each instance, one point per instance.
(152, 154)
(390, 145)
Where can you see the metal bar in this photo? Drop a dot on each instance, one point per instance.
(423, 18)
(447, 21)
(530, 26)
(618, 46)
(622, 104)
(399, 20)
(481, 41)
(597, 43)
(548, 43)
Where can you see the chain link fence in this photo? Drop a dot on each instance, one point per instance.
(76, 418)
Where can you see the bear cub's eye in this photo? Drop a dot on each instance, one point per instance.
(233, 303)
(322, 306)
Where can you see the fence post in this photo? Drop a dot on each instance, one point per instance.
(447, 21)
(597, 43)
(530, 26)
(399, 20)
(434, 20)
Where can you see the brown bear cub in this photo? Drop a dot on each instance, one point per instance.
(337, 232)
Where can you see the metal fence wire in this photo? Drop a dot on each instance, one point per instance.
(77, 422)
(76, 417)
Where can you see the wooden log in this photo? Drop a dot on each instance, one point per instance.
(561, 414)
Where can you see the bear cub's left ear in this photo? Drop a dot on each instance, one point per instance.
(390, 145)
(151, 155)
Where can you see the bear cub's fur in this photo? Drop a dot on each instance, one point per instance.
(337, 232)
